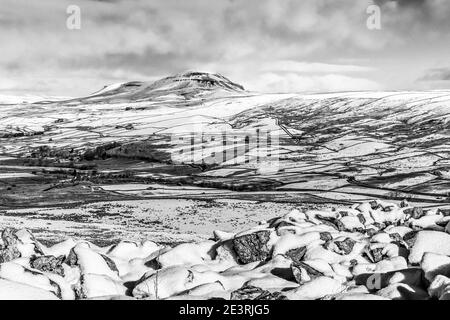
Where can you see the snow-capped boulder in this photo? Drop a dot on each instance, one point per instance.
(98, 285)
(316, 289)
(435, 264)
(172, 280)
(429, 241)
(128, 250)
(17, 273)
(91, 262)
(187, 254)
(11, 290)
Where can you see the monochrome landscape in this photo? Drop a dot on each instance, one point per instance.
(357, 183)
(227, 151)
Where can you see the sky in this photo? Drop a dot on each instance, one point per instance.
(265, 45)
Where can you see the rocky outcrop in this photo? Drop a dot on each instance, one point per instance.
(48, 264)
(8, 249)
(252, 247)
(255, 293)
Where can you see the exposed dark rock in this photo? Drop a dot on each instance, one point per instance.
(72, 258)
(78, 288)
(48, 264)
(346, 246)
(371, 232)
(9, 251)
(343, 213)
(375, 255)
(361, 218)
(8, 254)
(415, 212)
(9, 237)
(303, 272)
(379, 225)
(358, 229)
(410, 238)
(445, 212)
(256, 293)
(252, 247)
(404, 204)
(396, 237)
(296, 254)
(326, 236)
(267, 295)
(374, 205)
(340, 225)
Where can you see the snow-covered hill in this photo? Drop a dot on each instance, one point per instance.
(347, 146)
(177, 88)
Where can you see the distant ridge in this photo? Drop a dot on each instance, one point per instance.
(200, 79)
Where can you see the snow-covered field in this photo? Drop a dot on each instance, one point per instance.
(162, 220)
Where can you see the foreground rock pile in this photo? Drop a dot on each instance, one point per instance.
(374, 250)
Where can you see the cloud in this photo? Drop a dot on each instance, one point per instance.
(313, 67)
(436, 74)
(6, 84)
(293, 82)
(403, 3)
(308, 43)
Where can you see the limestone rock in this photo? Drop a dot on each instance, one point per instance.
(297, 254)
(316, 289)
(252, 247)
(9, 250)
(255, 293)
(48, 264)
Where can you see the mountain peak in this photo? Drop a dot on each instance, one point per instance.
(185, 86)
(202, 79)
